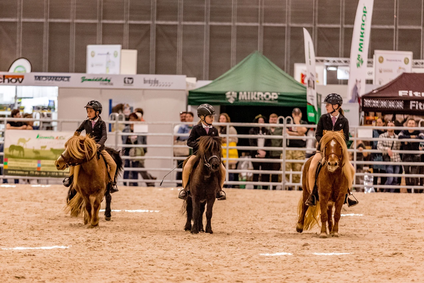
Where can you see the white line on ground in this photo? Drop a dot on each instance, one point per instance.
(331, 253)
(8, 186)
(43, 186)
(35, 248)
(352, 214)
(276, 254)
(135, 210)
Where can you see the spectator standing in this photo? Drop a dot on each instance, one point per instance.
(262, 143)
(378, 157)
(296, 131)
(135, 152)
(30, 124)
(16, 125)
(404, 135)
(232, 141)
(275, 154)
(182, 120)
(389, 143)
(183, 129)
(360, 156)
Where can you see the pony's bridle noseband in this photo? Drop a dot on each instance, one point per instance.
(207, 162)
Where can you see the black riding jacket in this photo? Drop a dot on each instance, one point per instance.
(325, 123)
(198, 131)
(99, 132)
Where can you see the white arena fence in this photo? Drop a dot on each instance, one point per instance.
(160, 160)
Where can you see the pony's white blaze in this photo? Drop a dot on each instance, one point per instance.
(333, 143)
(35, 248)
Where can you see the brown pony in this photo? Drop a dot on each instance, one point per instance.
(204, 184)
(90, 177)
(333, 181)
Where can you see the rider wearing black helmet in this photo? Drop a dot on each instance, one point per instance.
(96, 127)
(204, 128)
(334, 120)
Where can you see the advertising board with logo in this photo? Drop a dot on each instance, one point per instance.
(33, 153)
(103, 59)
(390, 64)
(177, 82)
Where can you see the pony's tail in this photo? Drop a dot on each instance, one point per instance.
(116, 156)
(74, 206)
(311, 215)
(183, 210)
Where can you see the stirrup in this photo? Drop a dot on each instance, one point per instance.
(311, 201)
(183, 194)
(68, 181)
(352, 202)
(221, 195)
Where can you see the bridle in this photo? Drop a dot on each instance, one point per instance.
(339, 158)
(69, 163)
(207, 162)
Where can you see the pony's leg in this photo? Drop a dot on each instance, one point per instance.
(108, 211)
(202, 210)
(337, 214)
(87, 210)
(330, 216)
(95, 207)
(209, 215)
(196, 216)
(323, 205)
(304, 208)
(189, 210)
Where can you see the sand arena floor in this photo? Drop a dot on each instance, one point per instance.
(254, 240)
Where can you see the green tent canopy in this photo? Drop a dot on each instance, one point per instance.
(253, 81)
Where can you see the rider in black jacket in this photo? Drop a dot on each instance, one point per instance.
(96, 128)
(204, 128)
(334, 120)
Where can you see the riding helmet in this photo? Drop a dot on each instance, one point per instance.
(334, 98)
(95, 105)
(205, 110)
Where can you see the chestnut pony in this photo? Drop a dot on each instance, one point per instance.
(90, 177)
(333, 180)
(204, 184)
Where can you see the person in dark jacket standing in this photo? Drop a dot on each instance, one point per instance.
(204, 128)
(334, 120)
(262, 143)
(95, 127)
(404, 135)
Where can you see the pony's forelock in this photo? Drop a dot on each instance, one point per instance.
(77, 151)
(209, 143)
(339, 137)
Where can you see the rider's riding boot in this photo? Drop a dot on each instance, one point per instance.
(68, 181)
(350, 201)
(312, 199)
(113, 187)
(183, 194)
(221, 195)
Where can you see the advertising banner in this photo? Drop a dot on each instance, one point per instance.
(311, 94)
(20, 65)
(174, 82)
(359, 50)
(103, 59)
(33, 153)
(390, 64)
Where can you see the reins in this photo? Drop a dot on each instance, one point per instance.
(207, 164)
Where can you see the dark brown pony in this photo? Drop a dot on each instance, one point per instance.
(333, 181)
(204, 184)
(90, 177)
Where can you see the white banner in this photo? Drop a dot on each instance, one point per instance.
(174, 82)
(359, 50)
(103, 59)
(390, 64)
(310, 67)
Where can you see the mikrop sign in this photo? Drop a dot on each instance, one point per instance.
(411, 93)
(251, 96)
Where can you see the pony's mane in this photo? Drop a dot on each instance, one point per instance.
(80, 147)
(209, 143)
(339, 137)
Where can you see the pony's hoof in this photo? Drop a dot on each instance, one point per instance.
(107, 218)
(92, 226)
(323, 235)
(299, 228)
(194, 232)
(187, 228)
(209, 231)
(335, 235)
